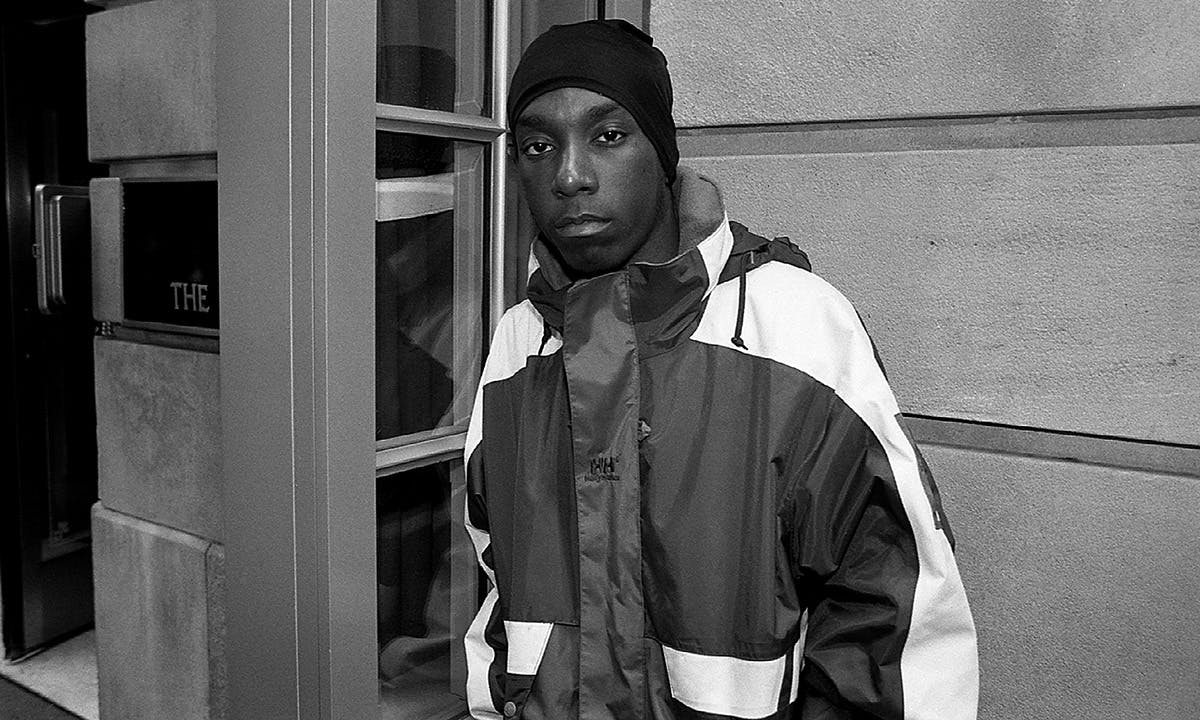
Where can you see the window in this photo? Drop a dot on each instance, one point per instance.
(430, 242)
(427, 591)
(430, 238)
(439, 221)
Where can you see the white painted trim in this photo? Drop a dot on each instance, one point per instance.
(440, 121)
(421, 452)
(498, 235)
(413, 197)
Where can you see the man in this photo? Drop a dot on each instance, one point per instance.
(689, 484)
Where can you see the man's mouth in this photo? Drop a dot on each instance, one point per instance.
(580, 225)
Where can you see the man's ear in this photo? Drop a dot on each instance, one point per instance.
(511, 151)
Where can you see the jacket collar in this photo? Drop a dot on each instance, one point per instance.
(665, 297)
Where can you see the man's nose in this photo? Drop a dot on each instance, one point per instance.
(576, 173)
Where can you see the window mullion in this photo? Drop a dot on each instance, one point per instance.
(422, 452)
(394, 118)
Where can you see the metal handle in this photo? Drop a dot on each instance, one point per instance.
(61, 219)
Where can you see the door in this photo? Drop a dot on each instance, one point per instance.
(48, 482)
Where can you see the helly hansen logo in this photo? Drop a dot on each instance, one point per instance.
(604, 467)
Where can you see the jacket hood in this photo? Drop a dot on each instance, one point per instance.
(665, 298)
(657, 289)
(701, 216)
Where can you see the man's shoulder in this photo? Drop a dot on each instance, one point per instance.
(778, 271)
(785, 299)
(520, 334)
(522, 327)
(782, 311)
(520, 315)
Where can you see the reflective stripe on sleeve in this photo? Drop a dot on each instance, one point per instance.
(480, 657)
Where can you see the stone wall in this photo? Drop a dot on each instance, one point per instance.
(158, 560)
(1010, 194)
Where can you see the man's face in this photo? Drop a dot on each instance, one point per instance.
(593, 182)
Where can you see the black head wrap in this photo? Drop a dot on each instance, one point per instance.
(610, 57)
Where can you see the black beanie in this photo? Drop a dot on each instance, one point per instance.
(610, 57)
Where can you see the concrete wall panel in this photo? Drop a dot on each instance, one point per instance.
(218, 669)
(158, 434)
(1083, 581)
(1044, 287)
(764, 61)
(153, 611)
(150, 85)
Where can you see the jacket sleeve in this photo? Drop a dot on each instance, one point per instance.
(889, 633)
(486, 644)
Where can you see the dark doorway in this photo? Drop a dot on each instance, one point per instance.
(48, 444)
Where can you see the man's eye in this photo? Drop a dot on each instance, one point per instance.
(610, 137)
(536, 148)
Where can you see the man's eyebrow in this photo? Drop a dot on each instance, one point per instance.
(530, 121)
(534, 121)
(602, 110)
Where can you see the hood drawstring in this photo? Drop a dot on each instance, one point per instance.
(747, 262)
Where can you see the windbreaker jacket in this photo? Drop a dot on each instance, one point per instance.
(693, 495)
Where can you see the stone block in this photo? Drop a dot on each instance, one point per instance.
(1083, 583)
(158, 592)
(158, 434)
(1049, 287)
(764, 61)
(150, 88)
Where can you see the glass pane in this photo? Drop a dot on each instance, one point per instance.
(538, 16)
(430, 195)
(428, 591)
(434, 54)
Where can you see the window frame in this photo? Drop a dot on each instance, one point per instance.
(296, 125)
(296, 122)
(396, 455)
(406, 452)
(294, 133)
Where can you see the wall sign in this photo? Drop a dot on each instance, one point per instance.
(169, 255)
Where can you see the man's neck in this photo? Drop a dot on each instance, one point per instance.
(663, 241)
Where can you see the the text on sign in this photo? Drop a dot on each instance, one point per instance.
(191, 297)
